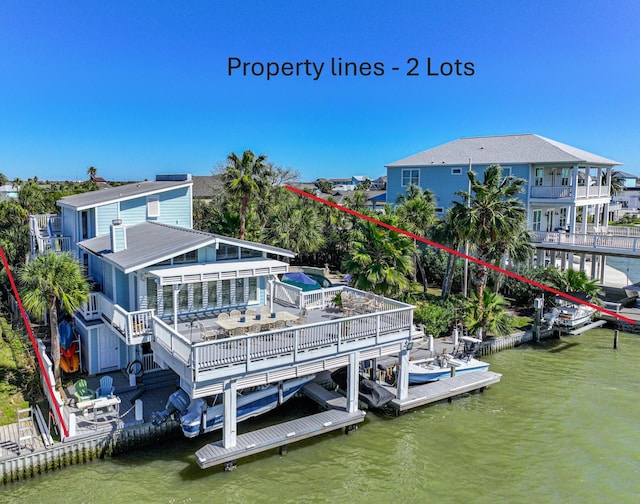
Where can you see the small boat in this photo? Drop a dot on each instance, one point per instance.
(568, 314)
(198, 417)
(437, 368)
(633, 290)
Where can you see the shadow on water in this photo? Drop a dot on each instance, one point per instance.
(561, 346)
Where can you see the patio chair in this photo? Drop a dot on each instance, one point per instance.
(206, 332)
(239, 331)
(279, 324)
(106, 388)
(265, 312)
(235, 314)
(82, 391)
(300, 321)
(250, 314)
(223, 315)
(255, 328)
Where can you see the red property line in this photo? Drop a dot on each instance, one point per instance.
(27, 324)
(460, 254)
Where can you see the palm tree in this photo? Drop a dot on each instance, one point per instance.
(571, 280)
(380, 260)
(244, 178)
(447, 232)
(490, 217)
(92, 172)
(416, 213)
(488, 316)
(49, 282)
(295, 225)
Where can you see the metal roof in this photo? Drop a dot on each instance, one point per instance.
(93, 199)
(507, 149)
(149, 243)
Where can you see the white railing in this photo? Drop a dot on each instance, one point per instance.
(56, 399)
(320, 298)
(287, 295)
(614, 230)
(552, 192)
(593, 241)
(148, 364)
(173, 342)
(56, 244)
(132, 326)
(594, 191)
(569, 192)
(292, 345)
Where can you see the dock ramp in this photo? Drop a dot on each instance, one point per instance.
(276, 436)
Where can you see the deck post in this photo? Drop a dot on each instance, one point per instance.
(229, 422)
(353, 382)
(403, 376)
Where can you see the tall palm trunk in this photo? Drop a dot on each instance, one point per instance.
(243, 216)
(55, 341)
(448, 276)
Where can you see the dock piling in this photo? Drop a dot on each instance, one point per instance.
(615, 339)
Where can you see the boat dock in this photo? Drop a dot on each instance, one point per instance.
(279, 435)
(420, 395)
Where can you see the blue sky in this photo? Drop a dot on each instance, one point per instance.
(137, 88)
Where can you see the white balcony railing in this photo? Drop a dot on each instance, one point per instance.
(283, 347)
(569, 192)
(596, 242)
(614, 230)
(133, 327)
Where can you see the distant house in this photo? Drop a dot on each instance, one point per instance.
(557, 191)
(8, 191)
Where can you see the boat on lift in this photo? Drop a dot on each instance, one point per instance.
(198, 416)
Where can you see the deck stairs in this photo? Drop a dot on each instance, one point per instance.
(154, 380)
(26, 428)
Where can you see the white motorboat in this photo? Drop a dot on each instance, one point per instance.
(440, 367)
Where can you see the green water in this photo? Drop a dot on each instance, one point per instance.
(562, 426)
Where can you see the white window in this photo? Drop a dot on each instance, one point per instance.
(563, 218)
(537, 219)
(564, 177)
(456, 171)
(539, 180)
(410, 177)
(153, 206)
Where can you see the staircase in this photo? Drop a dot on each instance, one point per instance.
(154, 380)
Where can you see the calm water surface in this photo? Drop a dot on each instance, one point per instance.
(561, 426)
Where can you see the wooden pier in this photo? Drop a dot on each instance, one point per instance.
(279, 435)
(420, 395)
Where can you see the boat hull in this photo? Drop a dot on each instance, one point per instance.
(200, 419)
(425, 374)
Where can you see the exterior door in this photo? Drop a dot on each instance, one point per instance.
(108, 350)
(549, 215)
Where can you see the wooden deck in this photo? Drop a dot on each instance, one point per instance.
(420, 395)
(277, 435)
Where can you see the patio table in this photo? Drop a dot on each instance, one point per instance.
(230, 324)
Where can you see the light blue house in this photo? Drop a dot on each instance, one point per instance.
(210, 308)
(563, 182)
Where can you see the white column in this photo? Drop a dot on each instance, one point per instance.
(229, 422)
(353, 382)
(403, 375)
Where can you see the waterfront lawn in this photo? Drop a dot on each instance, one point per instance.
(15, 374)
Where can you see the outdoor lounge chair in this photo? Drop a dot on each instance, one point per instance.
(82, 391)
(106, 388)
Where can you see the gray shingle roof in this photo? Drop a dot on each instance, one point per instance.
(110, 195)
(506, 149)
(149, 243)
